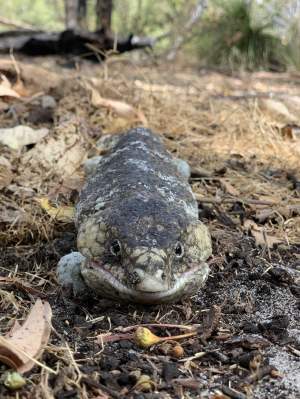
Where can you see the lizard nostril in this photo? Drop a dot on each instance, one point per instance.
(163, 276)
(134, 278)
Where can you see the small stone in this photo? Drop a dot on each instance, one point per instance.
(169, 371)
(124, 379)
(91, 164)
(48, 102)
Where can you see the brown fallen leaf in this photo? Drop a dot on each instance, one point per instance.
(6, 89)
(119, 107)
(22, 346)
(262, 238)
(34, 77)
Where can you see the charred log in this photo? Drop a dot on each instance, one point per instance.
(88, 45)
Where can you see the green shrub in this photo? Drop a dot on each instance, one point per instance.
(234, 34)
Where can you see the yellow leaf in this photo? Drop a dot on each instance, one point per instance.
(61, 213)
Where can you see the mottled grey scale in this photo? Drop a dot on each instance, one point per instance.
(142, 191)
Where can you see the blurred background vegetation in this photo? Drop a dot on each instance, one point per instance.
(229, 34)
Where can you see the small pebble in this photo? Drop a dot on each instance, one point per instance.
(48, 102)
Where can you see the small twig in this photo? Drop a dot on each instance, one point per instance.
(294, 351)
(73, 361)
(15, 64)
(110, 337)
(190, 383)
(197, 355)
(233, 200)
(179, 326)
(175, 337)
(233, 393)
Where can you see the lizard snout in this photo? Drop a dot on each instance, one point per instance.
(149, 283)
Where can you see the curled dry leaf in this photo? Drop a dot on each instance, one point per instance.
(119, 107)
(34, 77)
(23, 345)
(19, 136)
(61, 213)
(6, 89)
(278, 109)
(262, 238)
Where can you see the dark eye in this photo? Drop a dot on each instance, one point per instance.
(179, 250)
(115, 247)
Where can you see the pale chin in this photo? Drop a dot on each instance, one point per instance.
(105, 284)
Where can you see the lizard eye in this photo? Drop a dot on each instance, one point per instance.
(115, 247)
(179, 251)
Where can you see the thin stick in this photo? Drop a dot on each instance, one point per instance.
(175, 337)
(179, 326)
(233, 200)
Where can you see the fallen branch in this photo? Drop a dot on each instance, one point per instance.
(16, 24)
(88, 45)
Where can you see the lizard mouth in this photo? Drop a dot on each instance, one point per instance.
(106, 284)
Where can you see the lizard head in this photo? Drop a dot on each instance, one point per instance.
(149, 260)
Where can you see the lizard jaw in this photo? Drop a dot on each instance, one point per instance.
(105, 284)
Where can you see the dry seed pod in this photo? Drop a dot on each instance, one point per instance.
(145, 338)
(14, 381)
(144, 384)
(177, 351)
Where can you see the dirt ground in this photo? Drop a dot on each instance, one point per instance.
(240, 134)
